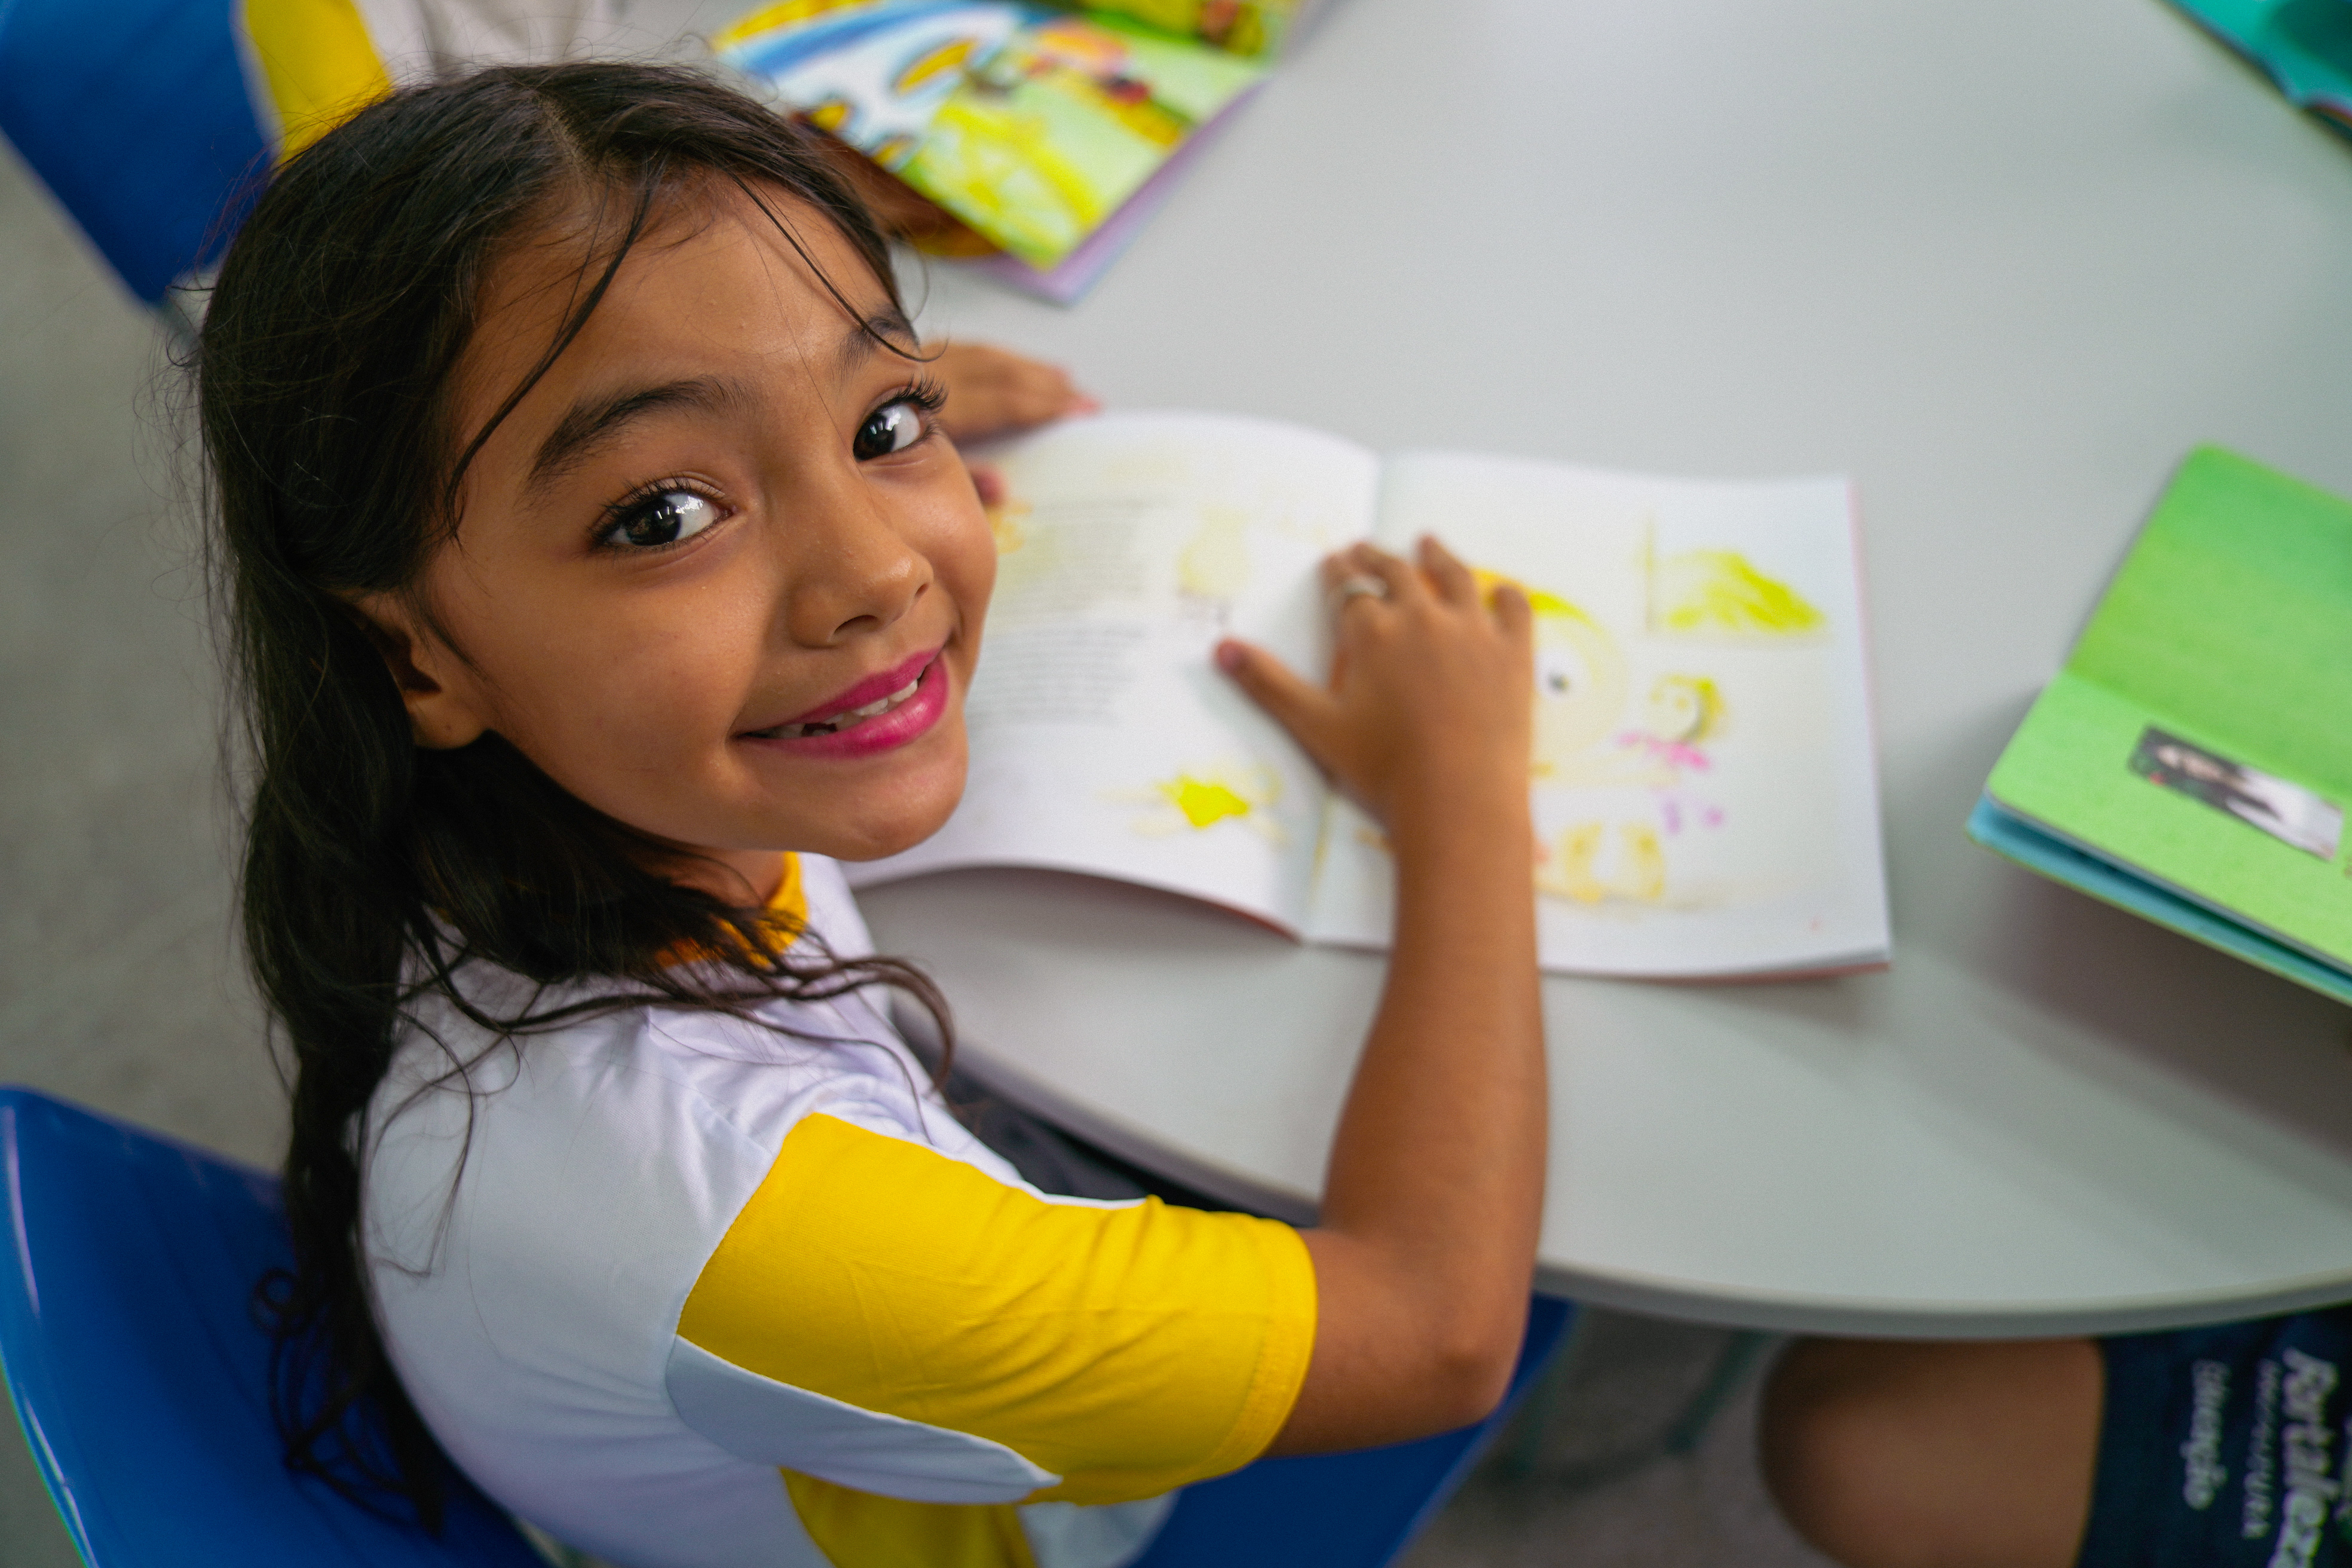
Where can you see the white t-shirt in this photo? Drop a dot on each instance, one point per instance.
(692, 1292)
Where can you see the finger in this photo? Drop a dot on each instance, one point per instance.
(988, 482)
(1447, 575)
(1404, 581)
(1512, 612)
(1346, 584)
(1293, 701)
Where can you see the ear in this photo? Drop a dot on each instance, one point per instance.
(434, 684)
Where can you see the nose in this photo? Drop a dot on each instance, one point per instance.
(848, 571)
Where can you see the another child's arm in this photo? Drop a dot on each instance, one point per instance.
(1426, 1252)
(995, 392)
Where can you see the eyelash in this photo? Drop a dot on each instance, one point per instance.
(924, 392)
(637, 501)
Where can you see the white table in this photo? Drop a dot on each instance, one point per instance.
(2003, 262)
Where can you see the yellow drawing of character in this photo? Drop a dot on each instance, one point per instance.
(1682, 713)
(1580, 864)
(1579, 685)
(1195, 801)
(1684, 709)
(1594, 860)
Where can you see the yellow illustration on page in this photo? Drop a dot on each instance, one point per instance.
(1718, 593)
(1653, 764)
(1196, 800)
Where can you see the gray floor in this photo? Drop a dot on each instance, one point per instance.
(118, 984)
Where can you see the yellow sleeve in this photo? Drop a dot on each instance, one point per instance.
(1129, 1351)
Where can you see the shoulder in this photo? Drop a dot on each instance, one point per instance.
(691, 1102)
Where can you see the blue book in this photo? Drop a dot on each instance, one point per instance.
(2007, 834)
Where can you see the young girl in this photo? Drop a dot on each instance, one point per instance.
(600, 575)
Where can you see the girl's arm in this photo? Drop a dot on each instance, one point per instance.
(1423, 1258)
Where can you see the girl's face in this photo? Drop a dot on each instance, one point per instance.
(717, 574)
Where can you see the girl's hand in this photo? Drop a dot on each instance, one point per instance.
(1433, 686)
(995, 392)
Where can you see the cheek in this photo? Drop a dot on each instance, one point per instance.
(626, 697)
(962, 551)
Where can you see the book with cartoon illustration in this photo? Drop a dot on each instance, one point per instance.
(1050, 132)
(2185, 764)
(1703, 785)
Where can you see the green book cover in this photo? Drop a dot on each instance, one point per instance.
(2201, 734)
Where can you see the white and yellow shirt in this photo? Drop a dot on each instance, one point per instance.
(690, 1292)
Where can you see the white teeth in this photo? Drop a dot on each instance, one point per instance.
(843, 721)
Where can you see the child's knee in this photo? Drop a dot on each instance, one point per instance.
(1842, 1451)
(1893, 1455)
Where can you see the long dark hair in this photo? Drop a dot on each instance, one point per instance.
(373, 868)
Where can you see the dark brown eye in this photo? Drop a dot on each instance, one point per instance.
(893, 427)
(664, 518)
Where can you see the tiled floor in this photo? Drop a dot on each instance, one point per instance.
(119, 983)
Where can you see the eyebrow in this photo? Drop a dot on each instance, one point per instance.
(883, 330)
(592, 421)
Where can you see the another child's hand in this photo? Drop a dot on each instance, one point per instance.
(1432, 693)
(995, 392)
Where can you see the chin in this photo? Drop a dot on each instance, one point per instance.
(877, 844)
(899, 825)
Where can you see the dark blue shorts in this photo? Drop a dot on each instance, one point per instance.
(2226, 1445)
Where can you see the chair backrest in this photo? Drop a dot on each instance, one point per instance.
(141, 1378)
(136, 115)
(141, 1375)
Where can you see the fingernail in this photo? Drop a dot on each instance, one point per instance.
(1229, 657)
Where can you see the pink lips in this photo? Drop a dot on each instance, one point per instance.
(883, 731)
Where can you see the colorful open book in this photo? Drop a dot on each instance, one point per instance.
(2192, 760)
(1703, 782)
(1050, 132)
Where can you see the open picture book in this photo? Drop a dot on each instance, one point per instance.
(1051, 132)
(1703, 782)
(2188, 764)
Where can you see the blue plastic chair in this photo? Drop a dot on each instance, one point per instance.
(140, 1376)
(136, 115)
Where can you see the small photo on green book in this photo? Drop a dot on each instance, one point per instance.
(2287, 812)
(2193, 759)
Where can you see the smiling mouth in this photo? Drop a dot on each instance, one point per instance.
(840, 721)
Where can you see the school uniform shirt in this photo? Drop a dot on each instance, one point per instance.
(690, 1292)
(311, 64)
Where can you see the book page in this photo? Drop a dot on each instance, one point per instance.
(1103, 737)
(1703, 788)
